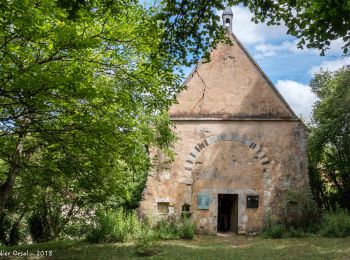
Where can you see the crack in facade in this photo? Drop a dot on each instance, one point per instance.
(238, 153)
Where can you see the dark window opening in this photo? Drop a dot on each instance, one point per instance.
(227, 22)
(186, 207)
(186, 210)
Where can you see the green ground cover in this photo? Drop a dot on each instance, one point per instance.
(202, 247)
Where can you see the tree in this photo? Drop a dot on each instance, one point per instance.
(316, 23)
(81, 91)
(329, 143)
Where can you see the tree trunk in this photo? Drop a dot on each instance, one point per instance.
(6, 188)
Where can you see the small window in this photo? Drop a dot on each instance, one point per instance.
(227, 20)
(186, 207)
(163, 207)
(186, 210)
(252, 202)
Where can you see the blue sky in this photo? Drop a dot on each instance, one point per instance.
(288, 67)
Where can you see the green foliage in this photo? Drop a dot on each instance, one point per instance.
(336, 224)
(296, 233)
(147, 242)
(114, 226)
(120, 226)
(44, 225)
(278, 231)
(186, 229)
(76, 228)
(329, 141)
(166, 229)
(81, 99)
(306, 213)
(274, 231)
(330, 224)
(13, 229)
(204, 247)
(316, 23)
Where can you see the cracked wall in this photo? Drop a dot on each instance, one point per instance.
(237, 135)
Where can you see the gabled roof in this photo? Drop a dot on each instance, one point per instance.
(230, 87)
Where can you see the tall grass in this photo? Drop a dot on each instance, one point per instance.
(336, 224)
(186, 229)
(331, 224)
(114, 226)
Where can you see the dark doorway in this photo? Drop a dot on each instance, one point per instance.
(228, 213)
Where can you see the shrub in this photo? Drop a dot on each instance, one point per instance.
(186, 229)
(12, 229)
(114, 226)
(45, 225)
(274, 231)
(336, 224)
(146, 243)
(166, 229)
(306, 212)
(296, 233)
(76, 228)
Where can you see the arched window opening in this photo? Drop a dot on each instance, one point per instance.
(186, 210)
(227, 22)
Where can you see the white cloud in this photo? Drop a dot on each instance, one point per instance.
(259, 34)
(250, 33)
(268, 50)
(331, 65)
(298, 96)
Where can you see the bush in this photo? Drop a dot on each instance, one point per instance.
(186, 229)
(76, 228)
(44, 227)
(296, 233)
(147, 242)
(12, 229)
(114, 226)
(306, 213)
(274, 231)
(45, 223)
(336, 224)
(166, 229)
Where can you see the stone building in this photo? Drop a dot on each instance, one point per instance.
(240, 147)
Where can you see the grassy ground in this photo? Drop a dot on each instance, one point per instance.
(202, 247)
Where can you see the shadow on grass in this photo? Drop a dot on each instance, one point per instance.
(205, 247)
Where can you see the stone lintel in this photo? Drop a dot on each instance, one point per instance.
(165, 199)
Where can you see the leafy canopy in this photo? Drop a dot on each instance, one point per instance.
(329, 143)
(83, 94)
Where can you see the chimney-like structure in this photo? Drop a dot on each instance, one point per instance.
(227, 17)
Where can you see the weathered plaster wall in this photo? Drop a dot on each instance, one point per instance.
(237, 136)
(231, 167)
(229, 86)
(228, 167)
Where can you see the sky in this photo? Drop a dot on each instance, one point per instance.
(288, 67)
